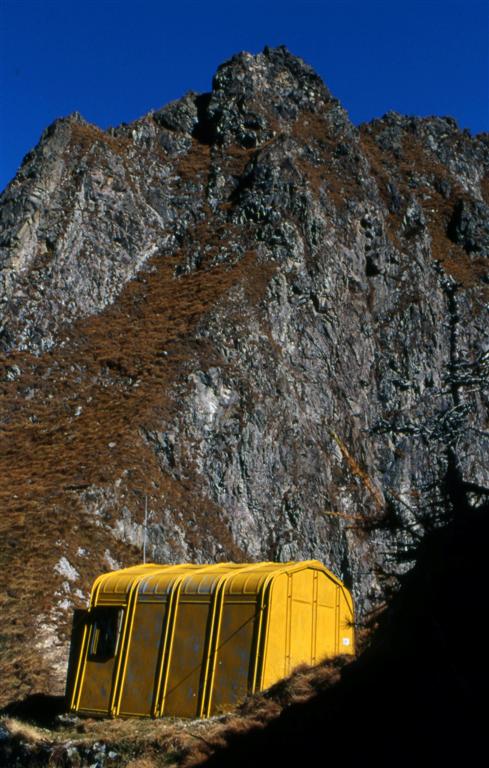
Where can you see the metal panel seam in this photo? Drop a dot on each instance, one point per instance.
(337, 622)
(259, 661)
(167, 645)
(121, 665)
(314, 616)
(215, 630)
(170, 635)
(80, 667)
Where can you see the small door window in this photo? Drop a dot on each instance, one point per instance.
(106, 632)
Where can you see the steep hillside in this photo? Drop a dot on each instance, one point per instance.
(412, 696)
(267, 321)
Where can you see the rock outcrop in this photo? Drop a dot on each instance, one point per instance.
(268, 322)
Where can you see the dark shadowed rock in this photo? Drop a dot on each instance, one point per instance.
(469, 226)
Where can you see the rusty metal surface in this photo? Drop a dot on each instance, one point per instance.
(142, 667)
(194, 640)
(231, 680)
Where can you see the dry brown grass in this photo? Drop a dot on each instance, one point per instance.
(85, 136)
(121, 367)
(194, 164)
(330, 175)
(416, 161)
(257, 711)
(144, 743)
(25, 731)
(124, 369)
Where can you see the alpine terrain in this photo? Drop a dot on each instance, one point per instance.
(241, 316)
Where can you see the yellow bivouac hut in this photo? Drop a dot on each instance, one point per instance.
(193, 640)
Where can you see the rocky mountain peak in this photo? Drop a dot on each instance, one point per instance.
(253, 96)
(268, 322)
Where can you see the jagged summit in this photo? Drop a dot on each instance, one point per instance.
(254, 100)
(270, 322)
(250, 93)
(252, 97)
(247, 90)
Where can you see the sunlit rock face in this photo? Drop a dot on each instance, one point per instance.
(260, 323)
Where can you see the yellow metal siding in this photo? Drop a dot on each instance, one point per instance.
(346, 636)
(277, 650)
(326, 643)
(301, 630)
(98, 687)
(232, 673)
(78, 631)
(195, 640)
(98, 679)
(314, 644)
(140, 680)
(300, 634)
(327, 592)
(184, 682)
(326, 618)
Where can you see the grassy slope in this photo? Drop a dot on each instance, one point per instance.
(412, 697)
(113, 366)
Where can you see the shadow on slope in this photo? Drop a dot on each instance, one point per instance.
(39, 708)
(414, 695)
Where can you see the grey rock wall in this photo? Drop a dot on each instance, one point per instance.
(341, 371)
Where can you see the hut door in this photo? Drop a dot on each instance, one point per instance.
(104, 643)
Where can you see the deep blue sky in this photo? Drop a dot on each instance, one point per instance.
(113, 60)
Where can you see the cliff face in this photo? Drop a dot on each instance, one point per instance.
(269, 322)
